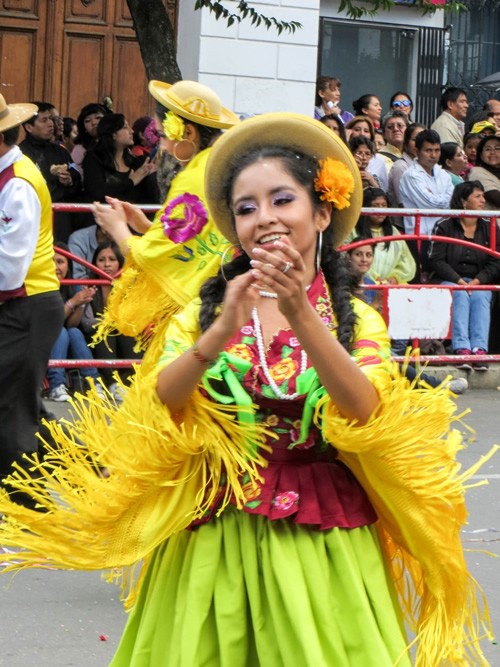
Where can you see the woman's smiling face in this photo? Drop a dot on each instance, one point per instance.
(270, 205)
(362, 258)
(490, 153)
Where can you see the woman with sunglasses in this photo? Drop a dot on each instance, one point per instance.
(402, 102)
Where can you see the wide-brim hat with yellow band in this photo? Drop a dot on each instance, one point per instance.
(12, 115)
(193, 101)
(289, 130)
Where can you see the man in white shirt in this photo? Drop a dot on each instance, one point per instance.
(450, 124)
(31, 308)
(425, 185)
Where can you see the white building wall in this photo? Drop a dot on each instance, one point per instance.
(255, 70)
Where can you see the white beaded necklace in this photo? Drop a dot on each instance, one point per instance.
(273, 295)
(263, 361)
(268, 295)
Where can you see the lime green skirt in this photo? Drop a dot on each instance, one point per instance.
(243, 591)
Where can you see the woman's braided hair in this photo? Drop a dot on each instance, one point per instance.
(336, 269)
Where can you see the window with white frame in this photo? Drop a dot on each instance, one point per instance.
(367, 58)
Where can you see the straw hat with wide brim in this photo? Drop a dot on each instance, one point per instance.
(289, 130)
(14, 114)
(193, 101)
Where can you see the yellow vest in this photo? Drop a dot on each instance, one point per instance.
(41, 276)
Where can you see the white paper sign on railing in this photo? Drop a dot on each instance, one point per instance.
(419, 313)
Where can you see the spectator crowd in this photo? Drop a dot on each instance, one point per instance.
(454, 163)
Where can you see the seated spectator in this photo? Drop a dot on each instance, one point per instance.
(453, 264)
(87, 122)
(393, 262)
(368, 105)
(141, 144)
(453, 160)
(54, 162)
(70, 130)
(71, 343)
(487, 170)
(482, 114)
(109, 259)
(362, 126)
(83, 243)
(424, 185)
(493, 110)
(333, 121)
(361, 259)
(363, 150)
(152, 136)
(471, 142)
(380, 142)
(328, 99)
(57, 137)
(393, 127)
(450, 124)
(485, 128)
(402, 102)
(400, 166)
(110, 169)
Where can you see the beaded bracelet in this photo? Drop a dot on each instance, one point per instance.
(199, 356)
(70, 305)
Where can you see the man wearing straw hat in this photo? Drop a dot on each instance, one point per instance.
(31, 309)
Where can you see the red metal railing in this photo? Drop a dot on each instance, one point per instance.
(418, 214)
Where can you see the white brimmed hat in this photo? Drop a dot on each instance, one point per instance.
(289, 130)
(193, 101)
(12, 115)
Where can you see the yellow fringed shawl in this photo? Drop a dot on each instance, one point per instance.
(161, 277)
(164, 472)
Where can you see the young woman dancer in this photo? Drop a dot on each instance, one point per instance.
(276, 473)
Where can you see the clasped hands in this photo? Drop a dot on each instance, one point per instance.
(115, 217)
(281, 273)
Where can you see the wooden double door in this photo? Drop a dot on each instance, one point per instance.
(72, 52)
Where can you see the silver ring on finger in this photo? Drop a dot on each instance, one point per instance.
(287, 267)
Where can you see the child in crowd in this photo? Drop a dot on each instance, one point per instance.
(109, 259)
(71, 342)
(393, 262)
(471, 142)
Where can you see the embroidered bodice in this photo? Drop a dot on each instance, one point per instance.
(303, 479)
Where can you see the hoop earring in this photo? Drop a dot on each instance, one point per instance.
(319, 248)
(189, 141)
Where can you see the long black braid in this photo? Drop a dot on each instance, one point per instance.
(213, 290)
(336, 269)
(342, 285)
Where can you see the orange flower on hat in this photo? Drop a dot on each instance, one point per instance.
(335, 183)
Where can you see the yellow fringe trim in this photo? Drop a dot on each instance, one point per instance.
(161, 477)
(137, 306)
(165, 474)
(405, 459)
